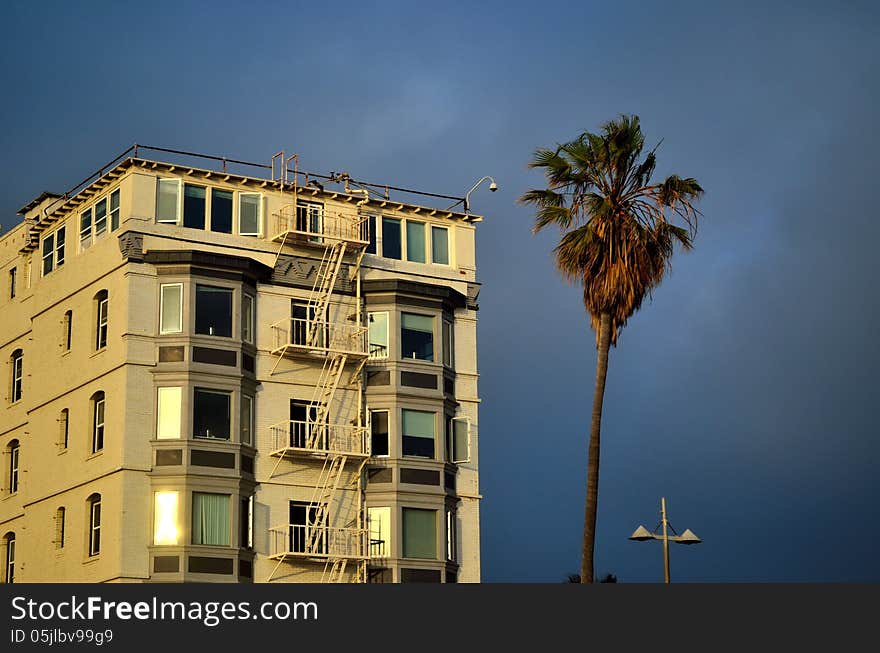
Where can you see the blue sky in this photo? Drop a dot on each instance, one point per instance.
(744, 392)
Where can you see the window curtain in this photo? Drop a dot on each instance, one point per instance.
(210, 524)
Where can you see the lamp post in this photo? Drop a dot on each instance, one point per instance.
(642, 534)
(492, 187)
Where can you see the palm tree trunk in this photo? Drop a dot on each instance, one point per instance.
(593, 451)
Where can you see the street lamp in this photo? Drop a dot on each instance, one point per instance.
(642, 534)
(492, 187)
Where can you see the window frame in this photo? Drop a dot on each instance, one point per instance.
(16, 391)
(451, 447)
(67, 331)
(206, 210)
(162, 304)
(102, 328)
(64, 429)
(95, 525)
(14, 451)
(13, 273)
(403, 434)
(248, 318)
(195, 319)
(60, 519)
(193, 517)
(385, 544)
(99, 407)
(371, 412)
(433, 318)
(448, 262)
(164, 518)
(451, 536)
(387, 344)
(85, 230)
(241, 195)
(55, 255)
(174, 403)
(178, 210)
(447, 344)
(9, 562)
(424, 227)
(249, 416)
(403, 527)
(216, 391)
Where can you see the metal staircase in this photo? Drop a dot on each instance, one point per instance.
(333, 339)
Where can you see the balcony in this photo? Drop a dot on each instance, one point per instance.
(311, 225)
(301, 541)
(300, 336)
(310, 439)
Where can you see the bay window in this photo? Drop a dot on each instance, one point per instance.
(417, 337)
(418, 433)
(419, 533)
(210, 519)
(211, 414)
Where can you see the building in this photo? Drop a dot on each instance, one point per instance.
(232, 372)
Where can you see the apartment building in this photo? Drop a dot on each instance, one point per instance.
(228, 372)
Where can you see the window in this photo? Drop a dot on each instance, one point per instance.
(305, 534)
(97, 422)
(114, 210)
(309, 218)
(214, 311)
(67, 330)
(440, 245)
(417, 336)
(458, 440)
(451, 537)
(247, 318)
(302, 419)
(379, 432)
(211, 414)
(168, 413)
(166, 529)
(171, 308)
(249, 214)
(246, 523)
(53, 250)
(17, 363)
(59, 528)
(380, 531)
(378, 334)
(85, 229)
(221, 210)
(210, 519)
(391, 241)
(194, 206)
(94, 503)
(168, 201)
(415, 241)
(13, 451)
(247, 419)
(12, 274)
(102, 301)
(418, 433)
(448, 344)
(64, 429)
(419, 533)
(9, 566)
(371, 235)
(100, 217)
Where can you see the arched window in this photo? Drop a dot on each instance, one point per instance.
(94, 505)
(97, 421)
(17, 364)
(9, 558)
(64, 429)
(59, 527)
(102, 308)
(13, 452)
(67, 331)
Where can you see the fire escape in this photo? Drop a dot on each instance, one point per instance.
(329, 334)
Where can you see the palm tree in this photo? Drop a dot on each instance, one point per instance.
(618, 236)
